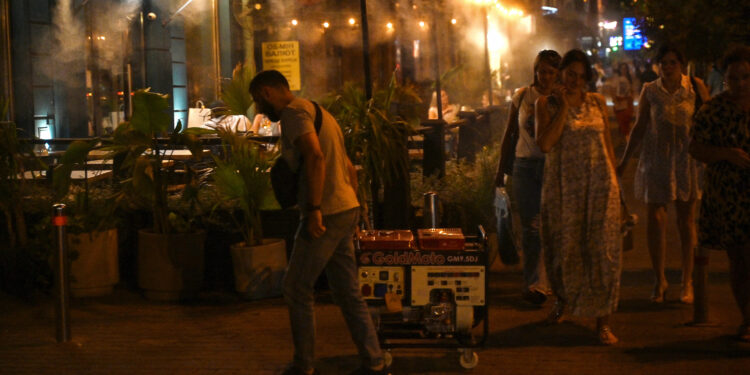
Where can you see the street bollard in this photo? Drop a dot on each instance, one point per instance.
(62, 274)
(700, 286)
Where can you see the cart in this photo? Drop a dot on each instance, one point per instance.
(427, 298)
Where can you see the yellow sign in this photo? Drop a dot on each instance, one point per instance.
(284, 57)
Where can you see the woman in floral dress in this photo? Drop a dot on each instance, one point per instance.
(721, 138)
(580, 213)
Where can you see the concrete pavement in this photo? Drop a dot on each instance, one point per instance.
(220, 334)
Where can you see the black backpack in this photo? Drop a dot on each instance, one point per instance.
(284, 181)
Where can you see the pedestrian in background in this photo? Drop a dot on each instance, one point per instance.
(528, 166)
(721, 138)
(622, 97)
(580, 214)
(666, 173)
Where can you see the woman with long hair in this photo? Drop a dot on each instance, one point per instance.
(666, 173)
(527, 170)
(580, 215)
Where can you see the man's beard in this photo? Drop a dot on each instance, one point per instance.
(266, 109)
(272, 115)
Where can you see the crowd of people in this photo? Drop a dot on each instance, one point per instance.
(694, 143)
(566, 181)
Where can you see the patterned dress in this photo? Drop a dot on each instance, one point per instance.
(581, 216)
(666, 172)
(725, 208)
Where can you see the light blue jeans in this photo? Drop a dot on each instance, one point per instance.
(334, 253)
(527, 193)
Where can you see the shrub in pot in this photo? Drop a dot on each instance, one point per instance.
(92, 228)
(170, 256)
(242, 178)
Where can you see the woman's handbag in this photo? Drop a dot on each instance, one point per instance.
(506, 246)
(284, 181)
(198, 115)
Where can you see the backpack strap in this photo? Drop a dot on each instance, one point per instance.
(698, 97)
(318, 117)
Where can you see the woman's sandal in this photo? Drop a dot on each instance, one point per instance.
(606, 337)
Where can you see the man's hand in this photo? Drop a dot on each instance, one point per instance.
(315, 224)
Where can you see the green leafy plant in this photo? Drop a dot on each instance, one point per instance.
(376, 131)
(16, 158)
(146, 161)
(235, 93)
(466, 192)
(242, 176)
(89, 208)
(26, 249)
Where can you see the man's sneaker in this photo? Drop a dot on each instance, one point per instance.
(294, 370)
(534, 297)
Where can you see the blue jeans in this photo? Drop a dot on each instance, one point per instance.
(334, 253)
(527, 193)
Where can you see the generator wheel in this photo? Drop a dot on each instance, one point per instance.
(468, 359)
(387, 358)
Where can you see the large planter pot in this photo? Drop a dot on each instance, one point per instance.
(259, 270)
(170, 266)
(95, 270)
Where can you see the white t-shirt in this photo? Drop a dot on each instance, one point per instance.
(622, 87)
(297, 119)
(526, 146)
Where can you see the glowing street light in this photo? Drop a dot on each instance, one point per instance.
(326, 24)
(389, 26)
(422, 24)
(294, 22)
(453, 21)
(352, 21)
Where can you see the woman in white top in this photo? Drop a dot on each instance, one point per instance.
(527, 170)
(622, 97)
(666, 172)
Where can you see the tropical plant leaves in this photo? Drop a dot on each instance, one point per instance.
(75, 155)
(150, 112)
(236, 93)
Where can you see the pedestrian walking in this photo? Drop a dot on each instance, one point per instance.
(666, 173)
(622, 97)
(330, 212)
(580, 214)
(519, 145)
(721, 139)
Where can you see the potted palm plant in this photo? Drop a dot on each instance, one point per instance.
(242, 178)
(92, 229)
(170, 258)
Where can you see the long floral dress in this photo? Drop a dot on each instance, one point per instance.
(580, 213)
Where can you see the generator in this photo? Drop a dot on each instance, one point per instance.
(426, 291)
